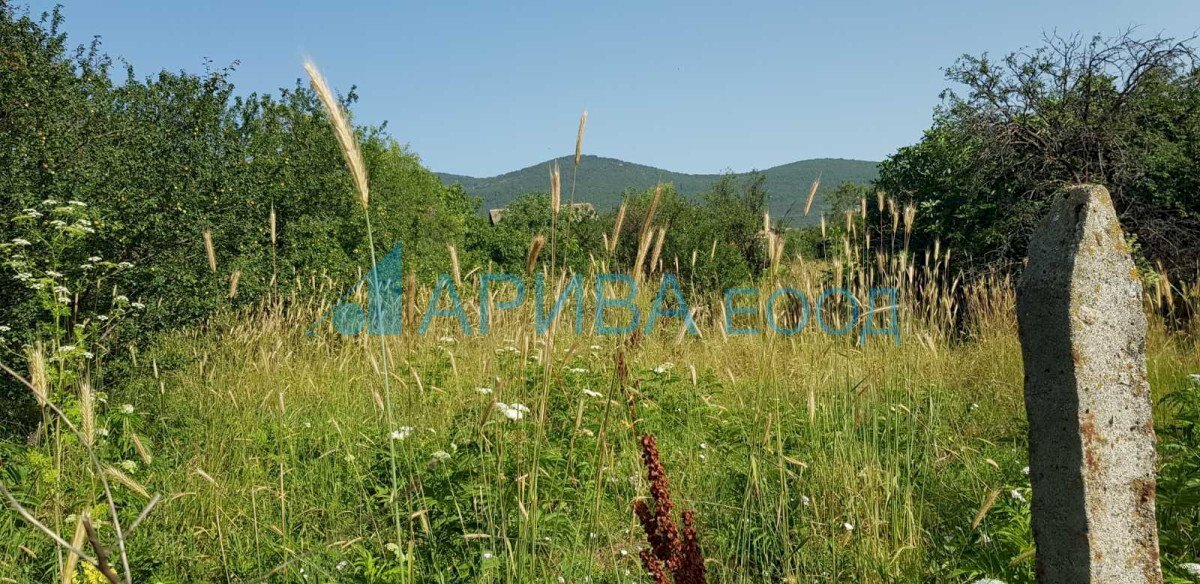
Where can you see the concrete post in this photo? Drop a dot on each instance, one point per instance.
(1091, 433)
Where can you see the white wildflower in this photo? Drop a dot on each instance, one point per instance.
(137, 305)
(703, 446)
(804, 500)
(124, 265)
(1195, 377)
(1192, 569)
(4, 329)
(94, 259)
(58, 223)
(514, 414)
(102, 318)
(591, 393)
(50, 202)
(663, 368)
(624, 552)
(483, 390)
(402, 433)
(129, 465)
(77, 203)
(341, 566)
(53, 274)
(102, 432)
(441, 455)
(62, 290)
(126, 408)
(596, 347)
(1017, 496)
(488, 555)
(1025, 471)
(988, 581)
(579, 370)
(520, 408)
(349, 458)
(66, 348)
(848, 526)
(24, 276)
(88, 355)
(447, 340)
(122, 299)
(21, 241)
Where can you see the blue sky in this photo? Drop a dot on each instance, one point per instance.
(481, 88)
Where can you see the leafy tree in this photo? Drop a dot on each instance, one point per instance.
(156, 162)
(1119, 111)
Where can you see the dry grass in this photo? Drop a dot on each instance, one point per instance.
(340, 120)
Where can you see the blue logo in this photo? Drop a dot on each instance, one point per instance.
(384, 314)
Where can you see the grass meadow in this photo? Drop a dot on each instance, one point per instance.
(246, 450)
(516, 456)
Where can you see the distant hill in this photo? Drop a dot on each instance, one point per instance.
(601, 181)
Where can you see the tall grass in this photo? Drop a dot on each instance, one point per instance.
(518, 456)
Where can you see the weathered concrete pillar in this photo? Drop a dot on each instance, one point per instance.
(1091, 433)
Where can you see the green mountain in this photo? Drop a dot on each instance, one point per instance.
(601, 181)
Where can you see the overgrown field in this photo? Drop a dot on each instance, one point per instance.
(167, 417)
(516, 456)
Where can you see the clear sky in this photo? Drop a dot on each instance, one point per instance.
(484, 88)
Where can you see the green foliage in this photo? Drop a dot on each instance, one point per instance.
(710, 244)
(603, 182)
(1179, 473)
(154, 162)
(1123, 112)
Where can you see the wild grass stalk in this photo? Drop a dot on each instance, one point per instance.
(358, 171)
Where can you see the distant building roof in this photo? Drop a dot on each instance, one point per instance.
(584, 209)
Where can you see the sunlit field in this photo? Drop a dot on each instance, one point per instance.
(243, 339)
(275, 454)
